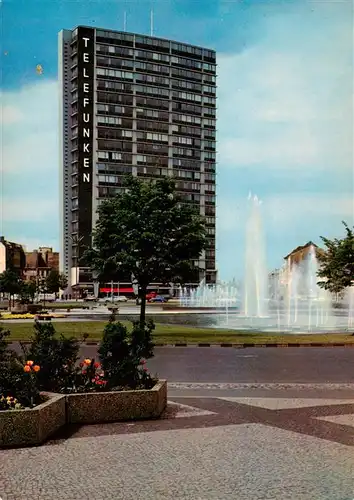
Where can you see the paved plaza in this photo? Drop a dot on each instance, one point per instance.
(266, 445)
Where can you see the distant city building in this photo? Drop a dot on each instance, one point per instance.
(132, 104)
(301, 253)
(40, 262)
(279, 279)
(12, 256)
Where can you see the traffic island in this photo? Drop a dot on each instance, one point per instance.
(32, 426)
(115, 406)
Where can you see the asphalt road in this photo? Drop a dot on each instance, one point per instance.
(256, 365)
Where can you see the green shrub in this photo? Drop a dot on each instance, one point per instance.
(121, 355)
(142, 345)
(54, 354)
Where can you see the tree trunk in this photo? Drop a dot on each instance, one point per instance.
(143, 291)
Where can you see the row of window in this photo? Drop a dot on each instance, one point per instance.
(118, 179)
(186, 174)
(116, 86)
(109, 155)
(152, 79)
(152, 113)
(153, 136)
(106, 191)
(155, 68)
(209, 177)
(179, 164)
(114, 62)
(147, 101)
(192, 153)
(110, 133)
(183, 84)
(115, 168)
(109, 108)
(155, 115)
(188, 186)
(188, 96)
(152, 172)
(115, 73)
(141, 40)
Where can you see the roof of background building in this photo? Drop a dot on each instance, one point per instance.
(304, 247)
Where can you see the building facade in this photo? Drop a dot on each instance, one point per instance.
(132, 104)
(40, 262)
(12, 257)
(280, 280)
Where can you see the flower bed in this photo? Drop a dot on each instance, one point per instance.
(9, 316)
(119, 387)
(32, 426)
(114, 406)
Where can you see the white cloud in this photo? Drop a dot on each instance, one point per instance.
(287, 102)
(30, 209)
(30, 130)
(299, 207)
(10, 115)
(281, 212)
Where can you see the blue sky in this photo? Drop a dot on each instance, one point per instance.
(285, 121)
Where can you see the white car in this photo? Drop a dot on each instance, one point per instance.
(108, 300)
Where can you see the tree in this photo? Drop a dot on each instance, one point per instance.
(337, 262)
(10, 283)
(147, 232)
(28, 290)
(55, 281)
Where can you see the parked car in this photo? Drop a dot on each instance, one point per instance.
(120, 298)
(157, 298)
(108, 300)
(90, 298)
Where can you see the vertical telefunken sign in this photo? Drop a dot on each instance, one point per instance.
(86, 54)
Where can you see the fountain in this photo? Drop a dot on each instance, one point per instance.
(298, 303)
(256, 276)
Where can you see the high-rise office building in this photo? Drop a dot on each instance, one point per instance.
(132, 104)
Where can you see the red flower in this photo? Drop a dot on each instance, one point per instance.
(145, 369)
(142, 362)
(97, 365)
(81, 364)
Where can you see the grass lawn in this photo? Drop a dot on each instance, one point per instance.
(171, 334)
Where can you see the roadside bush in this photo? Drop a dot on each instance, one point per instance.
(54, 354)
(142, 345)
(18, 379)
(121, 355)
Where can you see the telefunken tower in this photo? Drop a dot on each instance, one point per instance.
(132, 104)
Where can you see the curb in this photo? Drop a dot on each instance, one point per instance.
(235, 346)
(242, 346)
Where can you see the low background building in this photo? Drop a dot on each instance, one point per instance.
(40, 262)
(12, 256)
(29, 265)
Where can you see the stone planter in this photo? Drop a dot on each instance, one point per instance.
(97, 407)
(32, 427)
